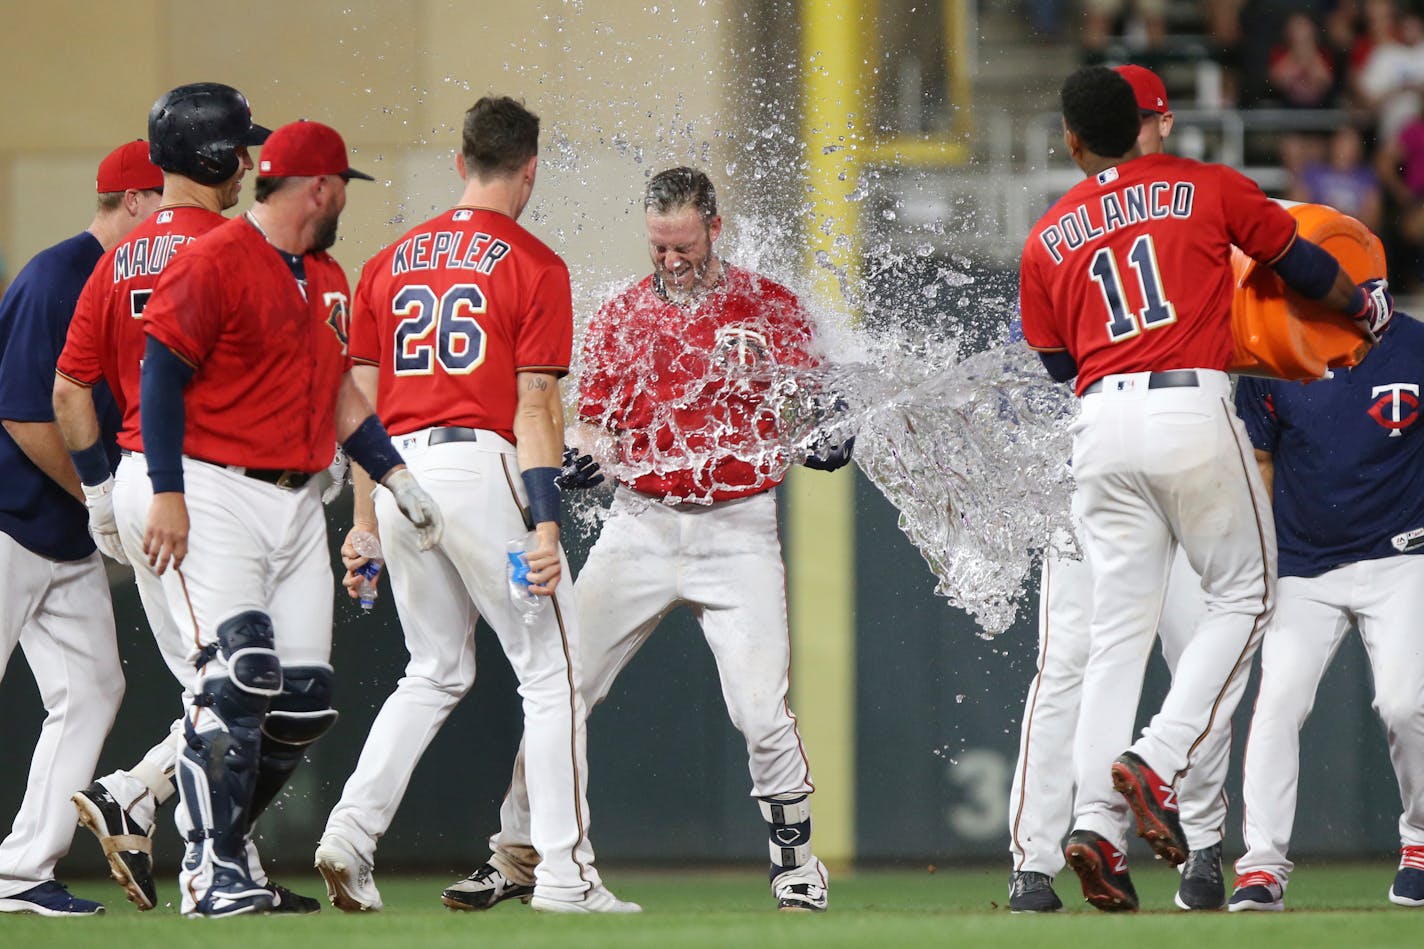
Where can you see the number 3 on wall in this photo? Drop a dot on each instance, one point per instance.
(1155, 312)
(459, 343)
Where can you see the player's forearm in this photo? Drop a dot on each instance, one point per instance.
(539, 422)
(42, 444)
(74, 413)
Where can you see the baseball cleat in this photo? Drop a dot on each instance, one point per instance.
(1202, 886)
(596, 900)
(350, 882)
(1102, 869)
(293, 904)
(50, 898)
(485, 887)
(232, 893)
(1257, 890)
(1154, 804)
(128, 845)
(801, 898)
(1408, 888)
(1032, 892)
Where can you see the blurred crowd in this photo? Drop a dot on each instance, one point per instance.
(1362, 59)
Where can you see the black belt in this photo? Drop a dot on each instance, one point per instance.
(452, 433)
(287, 478)
(1171, 379)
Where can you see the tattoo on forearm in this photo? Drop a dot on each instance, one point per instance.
(538, 383)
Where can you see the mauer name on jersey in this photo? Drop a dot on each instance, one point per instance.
(1120, 208)
(146, 256)
(448, 249)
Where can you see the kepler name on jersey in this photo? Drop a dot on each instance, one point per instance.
(448, 249)
(1131, 205)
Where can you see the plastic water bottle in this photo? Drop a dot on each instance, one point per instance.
(516, 569)
(368, 545)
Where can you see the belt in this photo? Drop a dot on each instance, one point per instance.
(1171, 379)
(452, 433)
(287, 478)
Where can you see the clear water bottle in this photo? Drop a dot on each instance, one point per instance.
(367, 545)
(516, 569)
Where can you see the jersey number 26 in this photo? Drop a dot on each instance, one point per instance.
(1156, 311)
(442, 329)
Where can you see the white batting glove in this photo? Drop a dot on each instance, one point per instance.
(417, 505)
(99, 499)
(339, 468)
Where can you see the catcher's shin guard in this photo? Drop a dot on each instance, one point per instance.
(298, 716)
(788, 822)
(217, 769)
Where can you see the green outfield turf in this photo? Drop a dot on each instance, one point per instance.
(1337, 906)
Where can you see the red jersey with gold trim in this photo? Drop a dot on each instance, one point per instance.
(1131, 270)
(269, 353)
(106, 337)
(684, 388)
(451, 313)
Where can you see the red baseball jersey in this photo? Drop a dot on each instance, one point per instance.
(1131, 270)
(684, 387)
(451, 313)
(106, 337)
(268, 352)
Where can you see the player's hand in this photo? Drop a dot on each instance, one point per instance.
(544, 565)
(99, 499)
(578, 472)
(1378, 309)
(827, 457)
(339, 469)
(417, 505)
(353, 561)
(165, 540)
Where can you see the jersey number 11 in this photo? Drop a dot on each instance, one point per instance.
(1156, 311)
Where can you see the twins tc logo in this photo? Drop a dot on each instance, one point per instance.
(1396, 406)
(742, 347)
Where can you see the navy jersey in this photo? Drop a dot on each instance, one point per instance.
(34, 318)
(1348, 453)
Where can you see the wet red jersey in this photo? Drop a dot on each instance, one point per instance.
(269, 353)
(106, 337)
(451, 313)
(1131, 270)
(684, 387)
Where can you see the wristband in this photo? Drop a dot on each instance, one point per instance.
(541, 484)
(370, 447)
(92, 463)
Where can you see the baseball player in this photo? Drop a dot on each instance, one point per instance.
(52, 581)
(199, 136)
(1040, 803)
(1126, 284)
(461, 331)
(665, 373)
(244, 391)
(1349, 543)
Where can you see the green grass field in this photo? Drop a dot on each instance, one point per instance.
(1330, 905)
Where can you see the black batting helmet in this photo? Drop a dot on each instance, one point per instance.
(195, 131)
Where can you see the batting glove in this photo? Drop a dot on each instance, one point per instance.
(339, 468)
(417, 505)
(99, 499)
(579, 472)
(1378, 310)
(826, 457)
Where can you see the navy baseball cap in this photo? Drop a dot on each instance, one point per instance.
(305, 149)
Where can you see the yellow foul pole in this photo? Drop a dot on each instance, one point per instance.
(820, 513)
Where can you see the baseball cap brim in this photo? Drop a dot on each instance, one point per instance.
(350, 173)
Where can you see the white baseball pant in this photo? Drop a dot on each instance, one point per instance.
(1041, 795)
(440, 595)
(1155, 469)
(61, 616)
(1384, 599)
(724, 561)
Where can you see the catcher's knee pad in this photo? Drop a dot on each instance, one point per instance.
(788, 821)
(246, 641)
(298, 716)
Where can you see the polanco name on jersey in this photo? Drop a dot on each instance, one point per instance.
(1131, 205)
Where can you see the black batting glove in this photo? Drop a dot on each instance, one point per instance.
(830, 457)
(578, 472)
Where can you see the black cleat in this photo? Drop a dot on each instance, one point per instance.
(1102, 869)
(1202, 886)
(128, 846)
(285, 901)
(1154, 804)
(1032, 892)
(484, 888)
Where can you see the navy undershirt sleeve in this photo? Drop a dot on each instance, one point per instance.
(161, 414)
(1061, 365)
(1307, 269)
